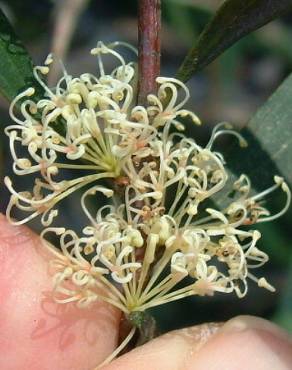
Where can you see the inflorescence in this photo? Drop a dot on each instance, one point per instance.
(156, 229)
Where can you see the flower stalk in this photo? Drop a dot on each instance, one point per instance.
(149, 25)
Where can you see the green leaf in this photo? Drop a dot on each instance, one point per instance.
(233, 20)
(283, 315)
(16, 67)
(269, 137)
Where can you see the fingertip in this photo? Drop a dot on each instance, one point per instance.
(252, 323)
(245, 342)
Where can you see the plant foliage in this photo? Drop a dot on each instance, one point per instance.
(233, 20)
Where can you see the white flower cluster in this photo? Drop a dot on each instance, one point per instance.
(156, 230)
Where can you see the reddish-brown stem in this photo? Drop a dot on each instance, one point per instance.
(149, 24)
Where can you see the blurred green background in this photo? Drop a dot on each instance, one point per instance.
(231, 89)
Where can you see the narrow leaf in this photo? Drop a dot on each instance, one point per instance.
(269, 137)
(16, 67)
(283, 315)
(234, 20)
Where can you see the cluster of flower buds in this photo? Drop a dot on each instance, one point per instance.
(156, 229)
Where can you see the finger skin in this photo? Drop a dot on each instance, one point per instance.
(171, 351)
(257, 345)
(35, 332)
(245, 343)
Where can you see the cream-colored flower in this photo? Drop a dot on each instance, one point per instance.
(156, 229)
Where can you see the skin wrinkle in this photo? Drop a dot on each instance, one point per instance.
(196, 337)
(201, 335)
(171, 351)
(260, 349)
